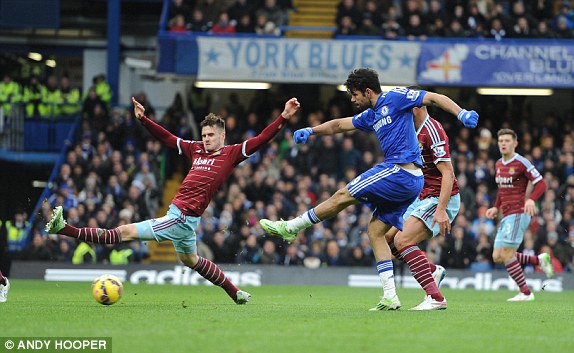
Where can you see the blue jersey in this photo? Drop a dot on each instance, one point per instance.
(392, 120)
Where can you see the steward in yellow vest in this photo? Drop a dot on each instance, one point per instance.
(51, 99)
(70, 98)
(32, 97)
(10, 93)
(15, 232)
(84, 253)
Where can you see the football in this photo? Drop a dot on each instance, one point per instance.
(107, 289)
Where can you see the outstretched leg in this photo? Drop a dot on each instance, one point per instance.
(325, 210)
(57, 225)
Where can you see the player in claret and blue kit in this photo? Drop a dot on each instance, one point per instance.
(512, 175)
(388, 188)
(212, 164)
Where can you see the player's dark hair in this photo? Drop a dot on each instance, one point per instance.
(361, 79)
(507, 132)
(213, 120)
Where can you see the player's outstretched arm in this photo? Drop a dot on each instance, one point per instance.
(156, 130)
(468, 117)
(328, 128)
(255, 143)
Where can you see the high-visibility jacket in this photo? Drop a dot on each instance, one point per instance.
(71, 101)
(104, 91)
(32, 98)
(81, 251)
(120, 257)
(16, 236)
(10, 93)
(51, 103)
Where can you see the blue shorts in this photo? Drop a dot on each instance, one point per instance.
(510, 233)
(425, 210)
(388, 190)
(174, 226)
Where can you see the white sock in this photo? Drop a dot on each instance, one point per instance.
(387, 277)
(303, 221)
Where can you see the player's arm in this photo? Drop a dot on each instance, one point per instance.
(447, 182)
(328, 128)
(493, 211)
(468, 117)
(539, 189)
(254, 143)
(155, 129)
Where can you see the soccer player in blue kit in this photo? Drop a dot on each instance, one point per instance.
(387, 188)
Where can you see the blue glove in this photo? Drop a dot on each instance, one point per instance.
(301, 135)
(468, 117)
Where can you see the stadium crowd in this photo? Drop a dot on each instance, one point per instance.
(389, 19)
(420, 19)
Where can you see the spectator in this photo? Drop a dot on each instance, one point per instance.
(178, 24)
(51, 99)
(332, 256)
(348, 8)
(245, 24)
(32, 96)
(293, 257)
(64, 252)
(210, 10)
(179, 8)
(346, 27)
(223, 24)
(368, 28)
(373, 13)
(37, 250)
(414, 28)
(269, 255)
(265, 27)
(356, 257)
(391, 28)
(460, 251)
(497, 30)
(241, 8)
(10, 93)
(272, 13)
(198, 22)
(103, 89)
(70, 97)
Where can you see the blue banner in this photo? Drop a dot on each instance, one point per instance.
(304, 61)
(497, 64)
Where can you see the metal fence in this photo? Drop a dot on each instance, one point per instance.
(12, 128)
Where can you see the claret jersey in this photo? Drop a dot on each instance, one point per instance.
(512, 177)
(434, 149)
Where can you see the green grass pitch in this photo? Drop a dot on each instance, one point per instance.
(293, 319)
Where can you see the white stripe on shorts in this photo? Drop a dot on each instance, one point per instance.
(372, 179)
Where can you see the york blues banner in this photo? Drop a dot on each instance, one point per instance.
(304, 61)
(504, 64)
